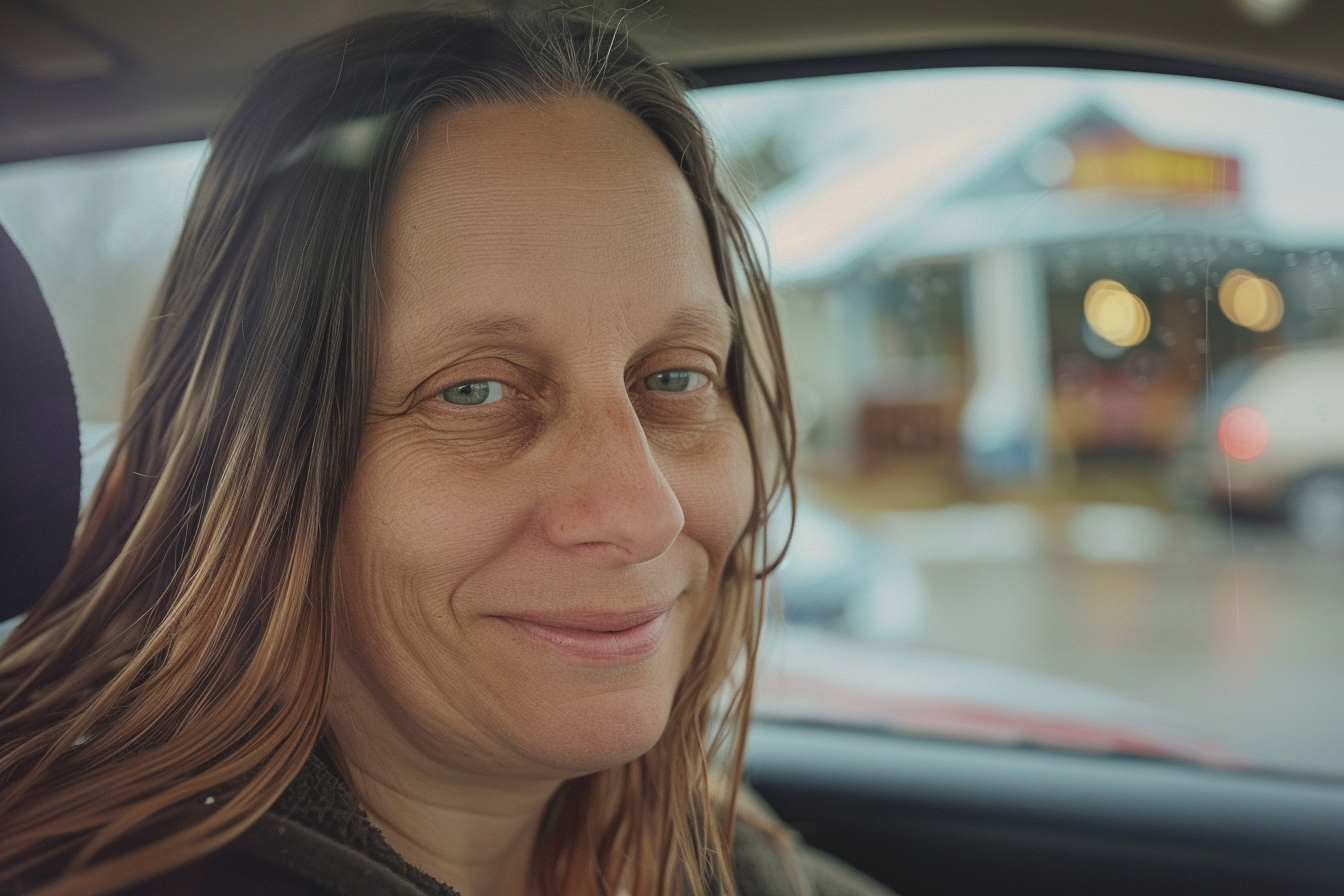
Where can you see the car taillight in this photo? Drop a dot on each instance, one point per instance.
(1243, 433)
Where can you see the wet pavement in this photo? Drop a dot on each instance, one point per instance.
(1236, 627)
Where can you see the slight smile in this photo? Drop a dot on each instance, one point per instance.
(597, 637)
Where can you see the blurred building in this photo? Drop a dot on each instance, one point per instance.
(1005, 299)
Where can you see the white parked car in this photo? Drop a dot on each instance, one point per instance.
(1278, 447)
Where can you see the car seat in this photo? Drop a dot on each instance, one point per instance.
(39, 440)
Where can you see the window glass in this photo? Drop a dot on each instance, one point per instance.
(97, 231)
(1066, 352)
(1065, 349)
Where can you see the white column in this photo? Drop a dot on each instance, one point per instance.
(1005, 422)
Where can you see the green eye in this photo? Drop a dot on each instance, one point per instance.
(473, 392)
(674, 381)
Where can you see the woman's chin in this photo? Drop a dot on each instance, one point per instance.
(595, 733)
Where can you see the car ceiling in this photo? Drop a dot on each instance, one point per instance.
(84, 75)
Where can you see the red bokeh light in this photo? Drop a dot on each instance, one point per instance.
(1243, 433)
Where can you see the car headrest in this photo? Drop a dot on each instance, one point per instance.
(39, 439)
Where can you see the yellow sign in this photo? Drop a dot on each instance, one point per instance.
(1130, 164)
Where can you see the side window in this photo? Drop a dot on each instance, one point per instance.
(1066, 352)
(97, 231)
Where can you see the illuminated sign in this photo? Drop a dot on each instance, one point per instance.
(1126, 163)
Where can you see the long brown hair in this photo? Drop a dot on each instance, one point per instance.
(184, 651)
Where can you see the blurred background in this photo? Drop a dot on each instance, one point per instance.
(1066, 347)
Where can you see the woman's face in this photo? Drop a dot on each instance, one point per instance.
(552, 473)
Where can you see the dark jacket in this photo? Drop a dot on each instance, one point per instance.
(316, 841)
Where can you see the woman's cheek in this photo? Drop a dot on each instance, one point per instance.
(712, 478)
(404, 501)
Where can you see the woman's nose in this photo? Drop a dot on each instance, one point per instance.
(612, 495)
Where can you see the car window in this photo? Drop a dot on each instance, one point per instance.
(1064, 348)
(97, 231)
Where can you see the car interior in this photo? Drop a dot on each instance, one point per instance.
(923, 811)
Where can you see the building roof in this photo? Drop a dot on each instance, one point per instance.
(1073, 174)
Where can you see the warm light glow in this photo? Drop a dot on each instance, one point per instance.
(1115, 314)
(1250, 301)
(1243, 433)
(1126, 163)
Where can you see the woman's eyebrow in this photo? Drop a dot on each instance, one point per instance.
(495, 325)
(426, 343)
(716, 320)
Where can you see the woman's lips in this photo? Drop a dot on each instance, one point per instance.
(623, 637)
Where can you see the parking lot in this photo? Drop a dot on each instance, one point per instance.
(1235, 625)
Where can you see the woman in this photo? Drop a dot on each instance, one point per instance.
(431, 535)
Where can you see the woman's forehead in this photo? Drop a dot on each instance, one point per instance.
(541, 150)
(547, 214)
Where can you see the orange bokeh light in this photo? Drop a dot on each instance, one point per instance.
(1250, 301)
(1115, 314)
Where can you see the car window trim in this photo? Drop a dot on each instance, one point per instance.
(1004, 56)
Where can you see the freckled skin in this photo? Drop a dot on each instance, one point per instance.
(558, 250)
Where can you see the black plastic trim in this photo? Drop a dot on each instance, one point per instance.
(936, 818)
(1009, 56)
